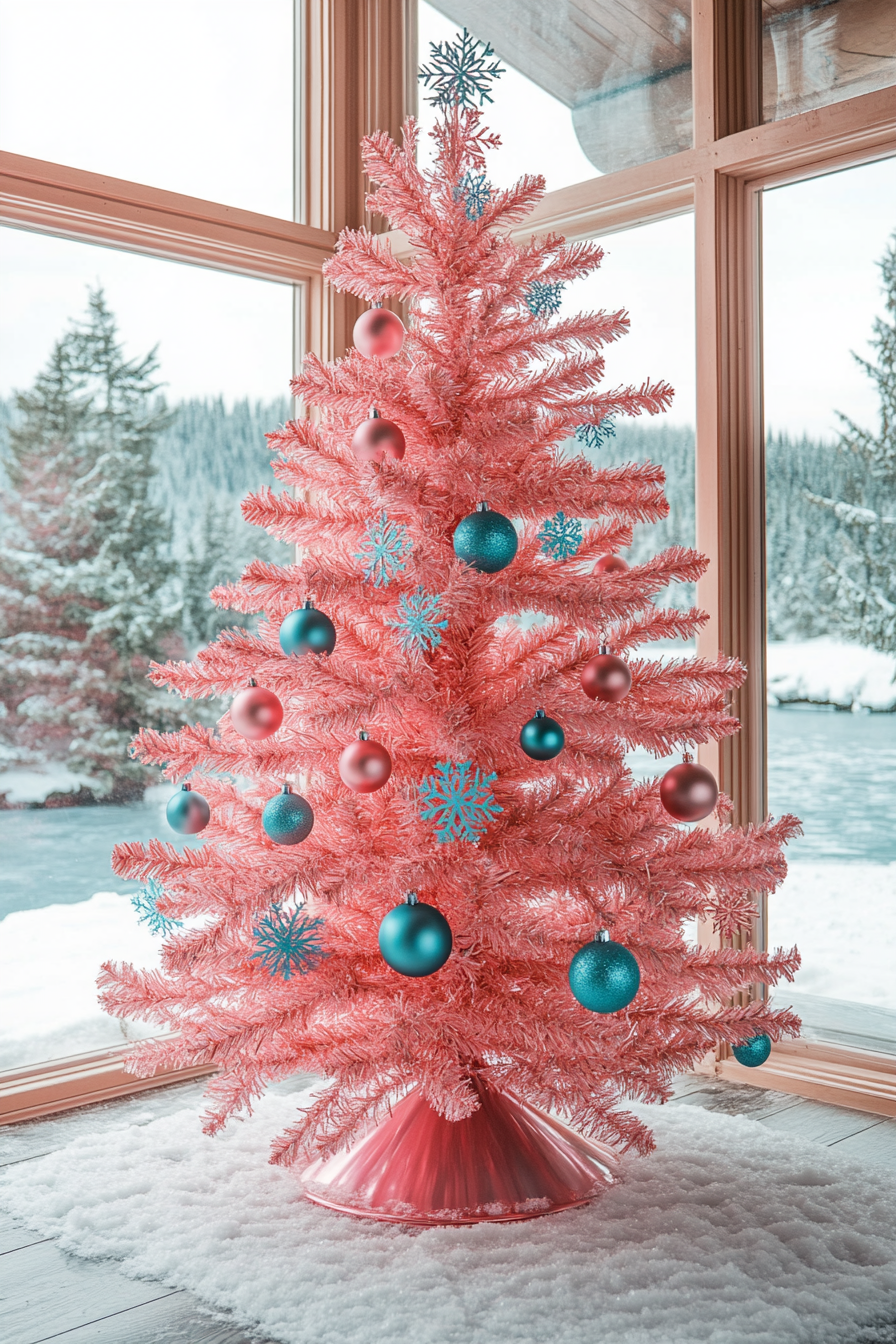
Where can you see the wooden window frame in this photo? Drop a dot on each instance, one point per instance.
(357, 59)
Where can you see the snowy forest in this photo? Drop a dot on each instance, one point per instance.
(120, 513)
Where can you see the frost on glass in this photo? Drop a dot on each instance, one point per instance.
(814, 53)
(591, 85)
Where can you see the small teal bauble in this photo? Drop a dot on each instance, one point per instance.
(604, 976)
(542, 738)
(287, 818)
(415, 939)
(188, 813)
(307, 631)
(753, 1052)
(485, 539)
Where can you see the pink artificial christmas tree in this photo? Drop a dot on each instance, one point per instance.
(416, 911)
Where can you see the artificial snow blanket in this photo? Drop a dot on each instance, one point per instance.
(729, 1233)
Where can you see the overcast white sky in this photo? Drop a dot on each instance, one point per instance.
(200, 101)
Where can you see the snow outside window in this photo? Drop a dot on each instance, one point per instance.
(134, 402)
(829, 302)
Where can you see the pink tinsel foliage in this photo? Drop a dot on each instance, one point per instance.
(486, 394)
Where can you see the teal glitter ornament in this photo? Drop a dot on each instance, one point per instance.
(485, 540)
(307, 630)
(753, 1052)
(603, 975)
(415, 939)
(188, 813)
(542, 738)
(287, 818)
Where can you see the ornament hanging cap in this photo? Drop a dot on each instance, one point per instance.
(374, 413)
(363, 735)
(185, 787)
(308, 604)
(601, 936)
(411, 898)
(539, 714)
(286, 789)
(252, 682)
(482, 506)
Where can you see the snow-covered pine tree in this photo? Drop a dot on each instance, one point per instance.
(85, 595)
(862, 578)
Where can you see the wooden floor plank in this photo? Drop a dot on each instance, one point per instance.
(821, 1123)
(14, 1235)
(737, 1099)
(875, 1144)
(45, 1292)
(171, 1320)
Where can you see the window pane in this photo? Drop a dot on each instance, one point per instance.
(814, 54)
(118, 517)
(591, 86)
(831, 502)
(188, 95)
(649, 272)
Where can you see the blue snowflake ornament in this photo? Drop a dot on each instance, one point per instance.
(384, 553)
(288, 943)
(146, 904)
(543, 297)
(596, 436)
(560, 536)
(460, 803)
(476, 193)
(418, 623)
(459, 72)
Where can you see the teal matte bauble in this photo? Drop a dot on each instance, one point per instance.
(542, 738)
(753, 1052)
(287, 818)
(603, 975)
(307, 630)
(415, 939)
(486, 540)
(188, 813)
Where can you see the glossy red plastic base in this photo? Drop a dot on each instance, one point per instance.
(508, 1161)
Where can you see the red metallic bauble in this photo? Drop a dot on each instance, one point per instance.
(256, 713)
(606, 677)
(506, 1161)
(365, 766)
(378, 332)
(611, 564)
(376, 439)
(688, 792)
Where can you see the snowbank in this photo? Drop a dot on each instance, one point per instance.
(842, 916)
(49, 960)
(34, 786)
(728, 1233)
(823, 672)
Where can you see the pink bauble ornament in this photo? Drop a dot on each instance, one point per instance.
(606, 677)
(376, 439)
(256, 713)
(688, 792)
(378, 332)
(611, 564)
(365, 766)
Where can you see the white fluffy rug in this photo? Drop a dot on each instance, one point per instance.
(729, 1234)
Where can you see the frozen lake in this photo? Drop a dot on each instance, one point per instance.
(836, 771)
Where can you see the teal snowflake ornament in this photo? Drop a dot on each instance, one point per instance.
(418, 623)
(460, 803)
(459, 72)
(596, 436)
(146, 904)
(560, 536)
(543, 297)
(476, 192)
(288, 943)
(385, 551)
